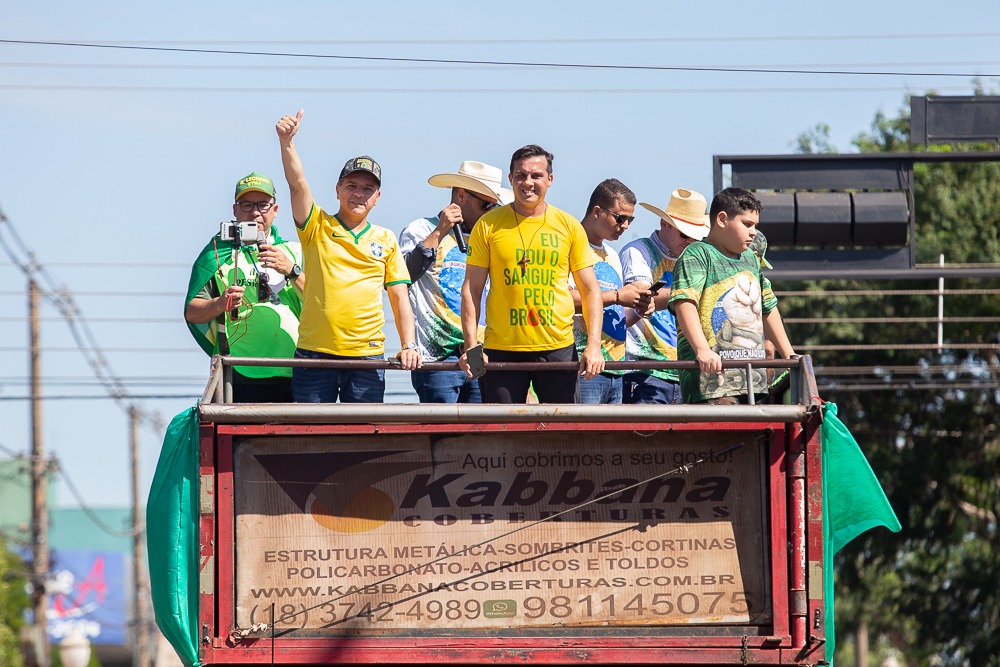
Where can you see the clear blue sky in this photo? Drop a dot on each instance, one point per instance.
(118, 164)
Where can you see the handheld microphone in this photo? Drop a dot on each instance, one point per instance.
(460, 239)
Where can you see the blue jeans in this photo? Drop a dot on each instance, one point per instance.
(601, 389)
(445, 386)
(324, 385)
(642, 388)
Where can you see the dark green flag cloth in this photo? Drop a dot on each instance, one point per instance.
(853, 502)
(215, 252)
(172, 537)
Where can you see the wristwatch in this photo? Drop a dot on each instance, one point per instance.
(410, 346)
(295, 272)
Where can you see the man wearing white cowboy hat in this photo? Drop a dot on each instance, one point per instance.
(436, 261)
(644, 262)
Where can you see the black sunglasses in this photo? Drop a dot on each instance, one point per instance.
(487, 204)
(620, 218)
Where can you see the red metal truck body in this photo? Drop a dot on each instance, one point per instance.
(512, 534)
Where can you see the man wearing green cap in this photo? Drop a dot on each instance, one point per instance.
(244, 299)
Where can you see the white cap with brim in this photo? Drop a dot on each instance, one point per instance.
(686, 211)
(478, 177)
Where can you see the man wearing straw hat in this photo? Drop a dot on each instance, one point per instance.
(649, 260)
(435, 250)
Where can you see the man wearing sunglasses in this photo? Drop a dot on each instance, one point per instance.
(244, 299)
(652, 336)
(610, 211)
(435, 250)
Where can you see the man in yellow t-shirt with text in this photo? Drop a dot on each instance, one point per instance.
(342, 301)
(527, 250)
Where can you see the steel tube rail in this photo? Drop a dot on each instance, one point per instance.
(807, 376)
(210, 409)
(840, 273)
(526, 366)
(399, 413)
(797, 536)
(866, 158)
(227, 381)
(213, 379)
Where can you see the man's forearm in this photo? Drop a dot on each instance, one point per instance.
(202, 311)
(405, 324)
(686, 313)
(470, 320)
(402, 313)
(591, 299)
(593, 315)
(608, 298)
(472, 297)
(774, 330)
(419, 261)
(292, 166)
(298, 188)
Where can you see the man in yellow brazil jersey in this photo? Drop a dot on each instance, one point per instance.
(353, 261)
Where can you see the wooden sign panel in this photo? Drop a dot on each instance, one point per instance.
(477, 532)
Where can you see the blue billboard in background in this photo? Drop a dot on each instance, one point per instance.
(87, 592)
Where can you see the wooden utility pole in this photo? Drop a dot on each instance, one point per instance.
(140, 623)
(861, 652)
(39, 489)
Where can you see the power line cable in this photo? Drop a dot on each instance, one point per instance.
(82, 382)
(130, 320)
(159, 350)
(79, 328)
(126, 265)
(444, 67)
(124, 295)
(509, 63)
(756, 90)
(85, 397)
(12, 453)
(90, 513)
(852, 37)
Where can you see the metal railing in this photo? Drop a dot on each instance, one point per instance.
(216, 403)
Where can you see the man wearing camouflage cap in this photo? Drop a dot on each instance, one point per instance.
(354, 260)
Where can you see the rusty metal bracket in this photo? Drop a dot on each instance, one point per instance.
(255, 631)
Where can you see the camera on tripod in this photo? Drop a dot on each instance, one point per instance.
(241, 232)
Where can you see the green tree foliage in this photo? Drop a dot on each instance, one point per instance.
(13, 603)
(931, 589)
(816, 140)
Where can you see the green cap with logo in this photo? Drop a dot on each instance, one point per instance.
(254, 183)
